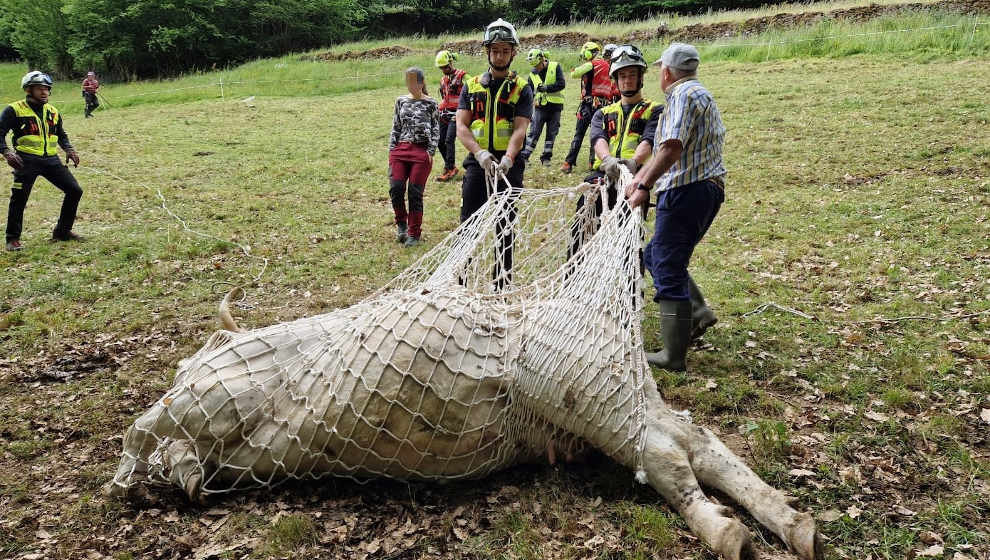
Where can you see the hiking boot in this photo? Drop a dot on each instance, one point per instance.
(411, 242)
(401, 232)
(448, 175)
(67, 237)
(675, 329)
(14, 245)
(566, 168)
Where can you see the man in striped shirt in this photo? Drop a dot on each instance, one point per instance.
(689, 179)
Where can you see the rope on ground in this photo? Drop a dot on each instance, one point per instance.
(246, 249)
(784, 308)
(883, 320)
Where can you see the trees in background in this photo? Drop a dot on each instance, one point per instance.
(156, 38)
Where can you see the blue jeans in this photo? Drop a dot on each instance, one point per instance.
(684, 214)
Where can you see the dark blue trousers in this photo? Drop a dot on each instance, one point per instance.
(548, 117)
(684, 214)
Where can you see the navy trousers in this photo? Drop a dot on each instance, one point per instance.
(543, 117)
(684, 214)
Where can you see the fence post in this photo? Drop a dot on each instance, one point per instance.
(221, 87)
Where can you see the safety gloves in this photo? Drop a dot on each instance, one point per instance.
(73, 157)
(505, 165)
(631, 164)
(486, 160)
(612, 166)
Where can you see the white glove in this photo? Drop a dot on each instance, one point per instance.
(610, 167)
(630, 164)
(486, 160)
(505, 165)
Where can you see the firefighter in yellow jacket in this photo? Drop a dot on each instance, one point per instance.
(622, 133)
(492, 117)
(38, 132)
(547, 81)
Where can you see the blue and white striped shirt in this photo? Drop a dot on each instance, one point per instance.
(692, 117)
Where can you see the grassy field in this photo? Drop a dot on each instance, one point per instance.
(858, 193)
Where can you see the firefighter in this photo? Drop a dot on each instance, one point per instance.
(596, 92)
(492, 116)
(621, 133)
(547, 81)
(450, 93)
(37, 133)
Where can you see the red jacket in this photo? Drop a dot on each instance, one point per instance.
(601, 83)
(91, 85)
(450, 91)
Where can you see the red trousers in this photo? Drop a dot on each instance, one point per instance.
(409, 163)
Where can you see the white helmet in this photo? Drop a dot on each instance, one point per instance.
(500, 31)
(36, 78)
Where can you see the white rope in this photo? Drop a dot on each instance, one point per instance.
(245, 249)
(517, 336)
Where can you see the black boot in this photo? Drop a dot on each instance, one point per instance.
(702, 316)
(401, 232)
(675, 329)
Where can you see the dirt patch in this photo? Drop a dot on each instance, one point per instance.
(71, 362)
(696, 32)
(720, 30)
(379, 53)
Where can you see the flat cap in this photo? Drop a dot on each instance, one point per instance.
(680, 56)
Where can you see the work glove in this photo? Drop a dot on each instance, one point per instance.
(610, 167)
(505, 165)
(631, 164)
(486, 160)
(73, 157)
(541, 88)
(13, 159)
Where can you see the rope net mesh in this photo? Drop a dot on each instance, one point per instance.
(517, 336)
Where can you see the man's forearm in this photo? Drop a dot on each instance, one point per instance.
(601, 148)
(643, 152)
(517, 139)
(467, 139)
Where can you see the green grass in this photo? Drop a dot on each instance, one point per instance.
(295, 75)
(857, 189)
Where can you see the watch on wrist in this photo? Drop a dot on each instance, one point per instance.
(642, 187)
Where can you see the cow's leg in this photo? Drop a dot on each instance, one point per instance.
(669, 472)
(717, 466)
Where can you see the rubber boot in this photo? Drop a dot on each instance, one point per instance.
(702, 316)
(401, 232)
(675, 329)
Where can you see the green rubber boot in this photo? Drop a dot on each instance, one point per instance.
(675, 329)
(702, 316)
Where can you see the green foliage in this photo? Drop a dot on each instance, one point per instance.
(545, 11)
(37, 31)
(770, 440)
(291, 532)
(146, 38)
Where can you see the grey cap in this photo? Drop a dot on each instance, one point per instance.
(680, 56)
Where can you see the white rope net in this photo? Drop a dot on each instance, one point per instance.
(515, 337)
